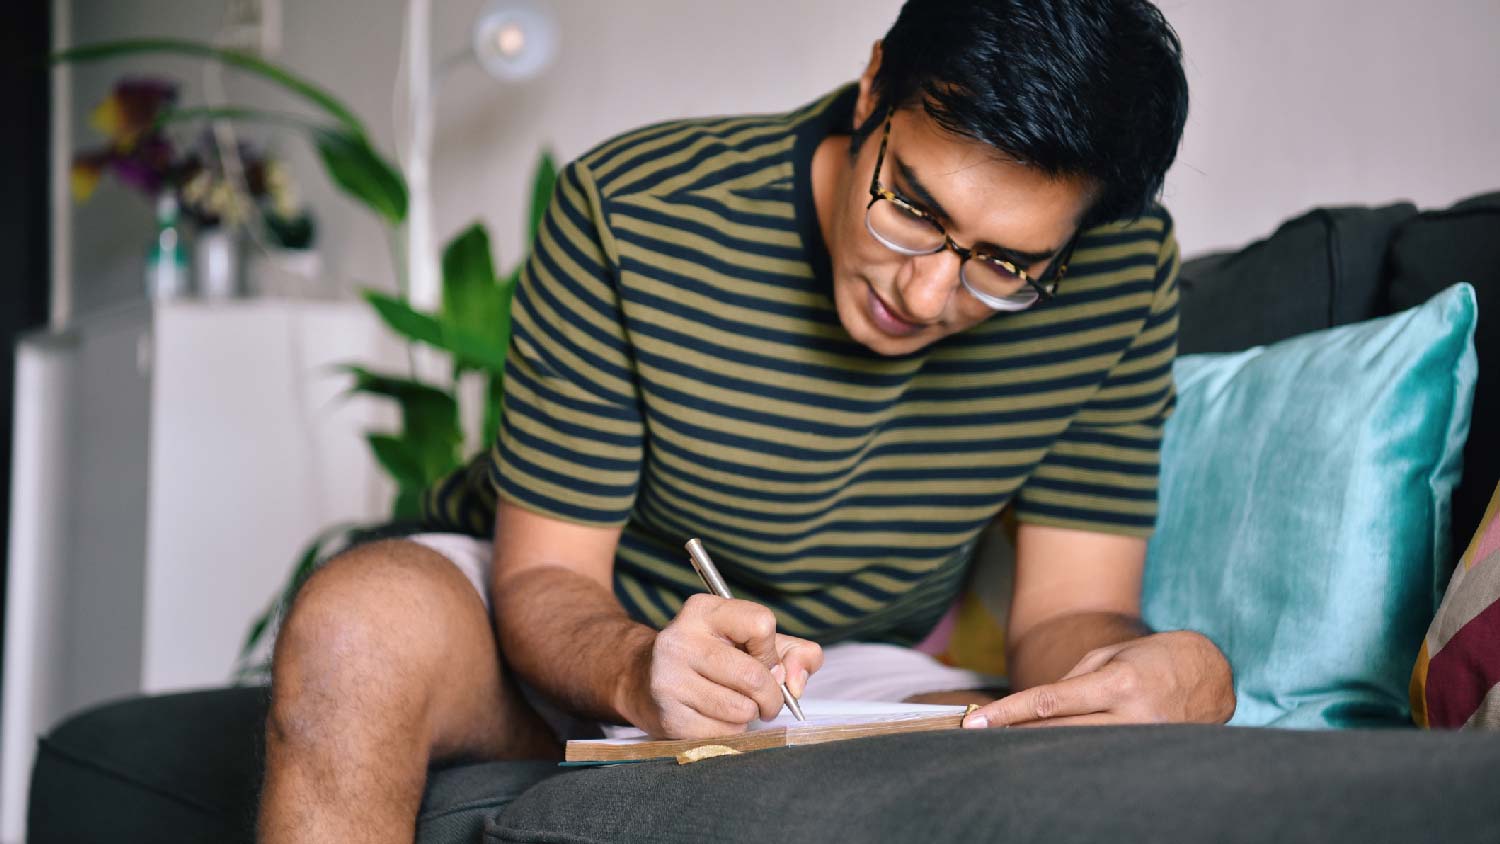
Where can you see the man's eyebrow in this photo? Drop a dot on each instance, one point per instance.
(926, 198)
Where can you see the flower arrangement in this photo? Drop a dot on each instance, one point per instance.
(139, 153)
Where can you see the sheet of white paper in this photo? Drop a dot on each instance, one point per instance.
(850, 712)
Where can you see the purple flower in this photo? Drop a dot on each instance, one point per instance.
(131, 110)
(147, 166)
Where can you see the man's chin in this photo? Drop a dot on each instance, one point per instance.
(893, 347)
(883, 344)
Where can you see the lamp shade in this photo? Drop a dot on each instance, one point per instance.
(515, 39)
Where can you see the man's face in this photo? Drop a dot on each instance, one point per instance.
(897, 304)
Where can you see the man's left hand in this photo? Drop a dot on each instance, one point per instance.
(1164, 677)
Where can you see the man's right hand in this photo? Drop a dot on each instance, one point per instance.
(714, 669)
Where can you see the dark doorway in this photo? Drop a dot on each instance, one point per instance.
(25, 37)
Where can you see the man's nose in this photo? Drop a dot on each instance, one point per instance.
(932, 281)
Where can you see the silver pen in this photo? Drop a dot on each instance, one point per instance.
(709, 573)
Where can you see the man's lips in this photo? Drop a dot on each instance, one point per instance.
(888, 321)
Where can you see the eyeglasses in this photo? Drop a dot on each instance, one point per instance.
(992, 279)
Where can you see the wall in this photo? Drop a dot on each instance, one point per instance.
(1295, 103)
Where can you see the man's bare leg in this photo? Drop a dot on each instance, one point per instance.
(386, 662)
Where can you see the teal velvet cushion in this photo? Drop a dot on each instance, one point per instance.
(1304, 500)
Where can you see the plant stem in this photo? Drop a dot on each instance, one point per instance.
(234, 58)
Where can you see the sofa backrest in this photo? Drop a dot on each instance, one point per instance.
(1333, 266)
(1428, 253)
(1315, 271)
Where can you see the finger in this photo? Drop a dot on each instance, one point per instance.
(1084, 695)
(692, 707)
(749, 625)
(737, 671)
(801, 658)
(726, 709)
(1094, 660)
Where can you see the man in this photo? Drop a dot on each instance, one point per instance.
(834, 344)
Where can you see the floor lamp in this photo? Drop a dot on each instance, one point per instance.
(513, 40)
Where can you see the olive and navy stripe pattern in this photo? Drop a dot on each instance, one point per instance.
(678, 368)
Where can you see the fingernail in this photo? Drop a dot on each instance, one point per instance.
(976, 722)
(802, 682)
(778, 671)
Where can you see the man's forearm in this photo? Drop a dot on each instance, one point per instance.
(1050, 649)
(569, 638)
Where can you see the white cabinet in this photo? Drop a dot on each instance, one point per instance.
(170, 462)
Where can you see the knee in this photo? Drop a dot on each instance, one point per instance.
(364, 630)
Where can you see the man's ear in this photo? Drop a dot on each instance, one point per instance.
(865, 104)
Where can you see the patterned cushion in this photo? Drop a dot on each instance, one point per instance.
(1456, 682)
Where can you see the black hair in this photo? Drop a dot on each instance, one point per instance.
(1080, 88)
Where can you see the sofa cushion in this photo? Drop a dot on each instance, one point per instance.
(1456, 681)
(1315, 271)
(459, 798)
(1304, 508)
(1428, 253)
(187, 768)
(1179, 782)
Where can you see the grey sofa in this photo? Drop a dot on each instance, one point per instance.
(186, 767)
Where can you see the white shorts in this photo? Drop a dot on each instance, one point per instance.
(851, 670)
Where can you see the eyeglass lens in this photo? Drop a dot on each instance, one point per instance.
(904, 231)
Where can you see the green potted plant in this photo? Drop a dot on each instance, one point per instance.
(471, 328)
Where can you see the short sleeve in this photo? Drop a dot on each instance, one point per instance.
(1101, 473)
(570, 439)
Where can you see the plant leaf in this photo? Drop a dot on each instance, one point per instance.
(258, 674)
(542, 186)
(428, 414)
(362, 173)
(431, 425)
(500, 331)
(408, 504)
(431, 434)
(469, 285)
(394, 386)
(405, 320)
(493, 408)
(398, 459)
(483, 351)
(502, 327)
(476, 305)
(234, 58)
(466, 267)
(257, 631)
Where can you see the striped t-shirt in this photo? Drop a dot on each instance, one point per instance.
(678, 366)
